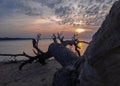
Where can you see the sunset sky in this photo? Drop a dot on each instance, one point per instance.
(25, 18)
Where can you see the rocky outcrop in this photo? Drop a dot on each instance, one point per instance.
(102, 67)
(107, 37)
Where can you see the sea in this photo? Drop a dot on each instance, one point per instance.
(20, 46)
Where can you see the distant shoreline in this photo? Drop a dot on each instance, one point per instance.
(10, 39)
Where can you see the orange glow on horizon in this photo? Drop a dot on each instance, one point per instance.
(80, 30)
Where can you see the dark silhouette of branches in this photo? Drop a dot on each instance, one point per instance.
(74, 41)
(41, 56)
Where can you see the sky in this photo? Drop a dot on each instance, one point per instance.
(26, 18)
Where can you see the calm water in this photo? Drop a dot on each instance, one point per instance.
(17, 47)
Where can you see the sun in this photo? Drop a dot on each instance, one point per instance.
(79, 30)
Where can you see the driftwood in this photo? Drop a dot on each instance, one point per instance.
(57, 50)
(74, 41)
(62, 54)
(40, 56)
(14, 55)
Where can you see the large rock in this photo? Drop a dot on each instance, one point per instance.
(102, 67)
(107, 37)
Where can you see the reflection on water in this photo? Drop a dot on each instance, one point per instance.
(17, 47)
(83, 47)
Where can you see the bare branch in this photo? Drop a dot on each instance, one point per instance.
(24, 63)
(77, 48)
(83, 42)
(35, 52)
(54, 38)
(74, 36)
(75, 41)
(35, 44)
(60, 37)
(16, 55)
(38, 38)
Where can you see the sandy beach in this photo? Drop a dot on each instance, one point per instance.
(31, 75)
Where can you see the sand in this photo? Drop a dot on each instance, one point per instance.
(31, 75)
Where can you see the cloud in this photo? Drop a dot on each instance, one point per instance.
(92, 12)
(71, 13)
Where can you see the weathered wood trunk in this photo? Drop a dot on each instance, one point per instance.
(62, 54)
